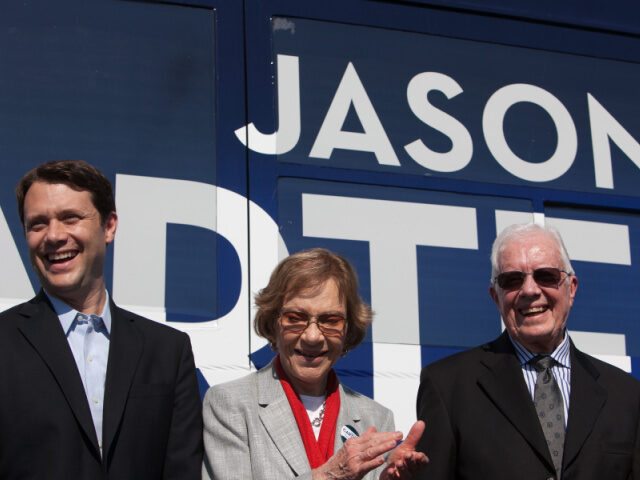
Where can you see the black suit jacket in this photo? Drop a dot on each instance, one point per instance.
(481, 422)
(152, 422)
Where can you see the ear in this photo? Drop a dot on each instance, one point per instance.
(110, 226)
(573, 288)
(494, 295)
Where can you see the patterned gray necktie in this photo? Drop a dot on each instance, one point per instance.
(550, 408)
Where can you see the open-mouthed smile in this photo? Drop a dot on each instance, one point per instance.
(533, 310)
(61, 257)
(310, 356)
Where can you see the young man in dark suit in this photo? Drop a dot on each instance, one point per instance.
(530, 405)
(89, 391)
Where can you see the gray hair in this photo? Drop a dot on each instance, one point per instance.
(523, 230)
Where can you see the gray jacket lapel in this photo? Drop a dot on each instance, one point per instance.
(349, 415)
(278, 420)
(41, 327)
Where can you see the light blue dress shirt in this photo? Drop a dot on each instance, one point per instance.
(88, 337)
(561, 370)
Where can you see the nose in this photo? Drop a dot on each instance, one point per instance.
(530, 287)
(312, 333)
(56, 232)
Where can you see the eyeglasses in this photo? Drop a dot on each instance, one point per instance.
(330, 324)
(549, 277)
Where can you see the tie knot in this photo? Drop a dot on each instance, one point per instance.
(542, 362)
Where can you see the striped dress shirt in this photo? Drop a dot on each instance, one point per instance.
(561, 370)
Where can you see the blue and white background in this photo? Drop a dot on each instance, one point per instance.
(403, 137)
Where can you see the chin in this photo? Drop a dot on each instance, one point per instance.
(544, 340)
(61, 287)
(314, 372)
(538, 326)
(533, 335)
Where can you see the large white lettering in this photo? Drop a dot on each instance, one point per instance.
(374, 139)
(604, 127)
(492, 127)
(331, 136)
(393, 230)
(397, 227)
(15, 286)
(146, 205)
(288, 133)
(462, 146)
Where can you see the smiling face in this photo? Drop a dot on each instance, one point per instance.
(308, 357)
(534, 316)
(67, 243)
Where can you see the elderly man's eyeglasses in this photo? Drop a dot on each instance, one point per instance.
(330, 324)
(549, 277)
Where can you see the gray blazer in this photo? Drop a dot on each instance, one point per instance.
(250, 431)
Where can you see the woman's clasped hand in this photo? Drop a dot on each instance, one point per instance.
(360, 455)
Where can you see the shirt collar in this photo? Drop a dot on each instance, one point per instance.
(67, 314)
(560, 354)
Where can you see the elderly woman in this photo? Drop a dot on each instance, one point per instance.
(294, 418)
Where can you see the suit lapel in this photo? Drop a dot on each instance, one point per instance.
(125, 349)
(278, 420)
(41, 327)
(504, 385)
(586, 401)
(348, 415)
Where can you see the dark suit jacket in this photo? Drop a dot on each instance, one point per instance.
(481, 423)
(152, 423)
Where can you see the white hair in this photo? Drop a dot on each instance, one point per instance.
(524, 230)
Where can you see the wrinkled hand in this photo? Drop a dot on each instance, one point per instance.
(358, 456)
(404, 461)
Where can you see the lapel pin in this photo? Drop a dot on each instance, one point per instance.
(348, 432)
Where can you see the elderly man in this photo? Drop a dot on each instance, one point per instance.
(88, 391)
(530, 405)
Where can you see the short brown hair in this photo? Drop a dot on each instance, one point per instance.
(78, 175)
(309, 269)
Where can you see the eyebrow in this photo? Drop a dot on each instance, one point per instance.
(61, 213)
(306, 312)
